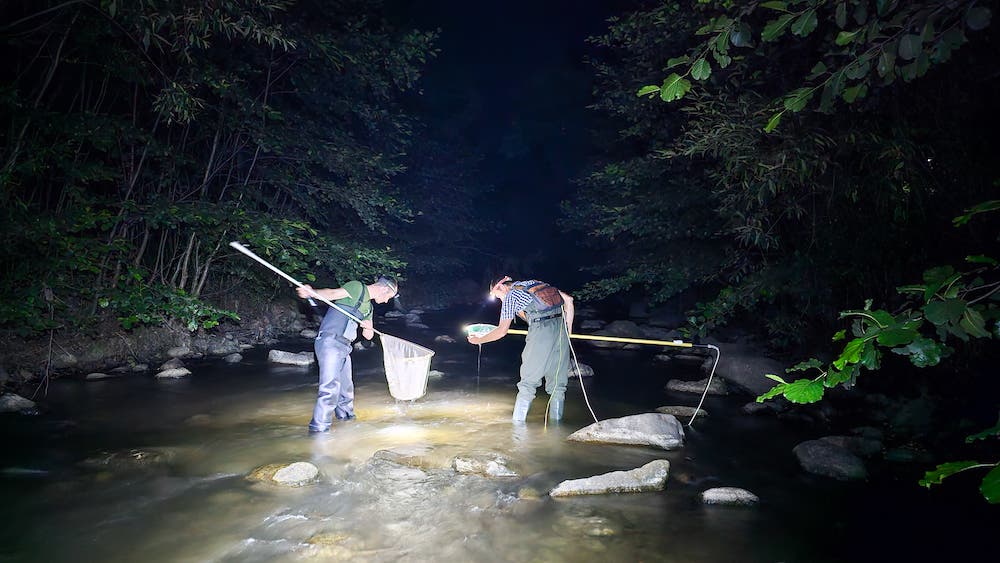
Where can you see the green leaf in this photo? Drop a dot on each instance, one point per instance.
(983, 207)
(944, 311)
(981, 259)
(722, 59)
(870, 357)
(909, 46)
(944, 470)
(974, 324)
(776, 28)
(780, 6)
(835, 378)
(701, 69)
(841, 15)
(855, 92)
(845, 37)
(674, 87)
(811, 363)
(978, 18)
(851, 353)
(773, 392)
(991, 432)
(923, 352)
(797, 99)
(646, 90)
(805, 24)
(991, 486)
(817, 71)
(886, 62)
(804, 391)
(773, 122)
(897, 336)
(773, 377)
(671, 63)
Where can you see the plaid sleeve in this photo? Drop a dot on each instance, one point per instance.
(516, 301)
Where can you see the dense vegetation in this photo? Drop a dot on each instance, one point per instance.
(786, 160)
(140, 137)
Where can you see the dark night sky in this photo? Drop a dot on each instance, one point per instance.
(511, 79)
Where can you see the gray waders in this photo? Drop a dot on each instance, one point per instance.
(545, 356)
(333, 352)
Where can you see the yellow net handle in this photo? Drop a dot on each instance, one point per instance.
(675, 343)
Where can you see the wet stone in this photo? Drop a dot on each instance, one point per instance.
(647, 429)
(649, 477)
(12, 402)
(487, 465)
(233, 358)
(681, 411)
(173, 373)
(98, 375)
(291, 358)
(718, 386)
(297, 474)
(172, 363)
(729, 496)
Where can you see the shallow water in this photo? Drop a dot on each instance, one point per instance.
(193, 503)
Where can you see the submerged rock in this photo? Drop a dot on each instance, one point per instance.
(488, 465)
(234, 358)
(172, 363)
(297, 474)
(648, 429)
(718, 386)
(585, 371)
(730, 496)
(130, 460)
(444, 339)
(649, 477)
(291, 358)
(682, 411)
(864, 447)
(12, 402)
(99, 375)
(829, 460)
(308, 333)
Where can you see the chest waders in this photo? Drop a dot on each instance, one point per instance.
(546, 351)
(335, 397)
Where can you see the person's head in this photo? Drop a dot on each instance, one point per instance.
(383, 289)
(501, 287)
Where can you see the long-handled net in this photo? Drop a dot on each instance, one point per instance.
(406, 364)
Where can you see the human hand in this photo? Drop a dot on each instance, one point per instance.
(474, 339)
(305, 291)
(367, 324)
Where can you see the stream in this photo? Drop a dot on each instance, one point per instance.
(135, 468)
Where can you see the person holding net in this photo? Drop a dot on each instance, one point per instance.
(549, 313)
(337, 332)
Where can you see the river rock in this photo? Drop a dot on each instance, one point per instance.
(592, 324)
(718, 386)
(173, 373)
(864, 447)
(649, 477)
(910, 453)
(291, 358)
(12, 402)
(444, 339)
(488, 465)
(393, 314)
(585, 371)
(308, 333)
(410, 456)
(297, 474)
(233, 358)
(178, 352)
(681, 411)
(172, 363)
(745, 366)
(130, 460)
(94, 376)
(420, 326)
(647, 429)
(729, 496)
(63, 360)
(829, 460)
(627, 329)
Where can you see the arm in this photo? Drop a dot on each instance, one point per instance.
(496, 334)
(330, 294)
(567, 311)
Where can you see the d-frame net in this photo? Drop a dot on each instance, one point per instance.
(406, 367)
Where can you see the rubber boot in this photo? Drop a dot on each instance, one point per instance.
(556, 409)
(521, 409)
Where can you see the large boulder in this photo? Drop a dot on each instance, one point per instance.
(745, 366)
(649, 477)
(830, 460)
(647, 429)
(627, 329)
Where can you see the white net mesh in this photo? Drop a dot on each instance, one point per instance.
(406, 367)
